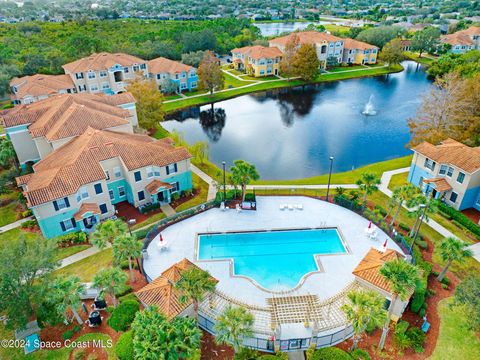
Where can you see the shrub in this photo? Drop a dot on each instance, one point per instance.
(250, 197)
(417, 338)
(29, 224)
(446, 281)
(71, 239)
(444, 286)
(404, 227)
(400, 335)
(123, 315)
(460, 218)
(130, 296)
(331, 353)
(187, 193)
(80, 354)
(124, 346)
(124, 291)
(422, 244)
(26, 213)
(381, 210)
(68, 334)
(124, 265)
(148, 208)
(359, 354)
(175, 196)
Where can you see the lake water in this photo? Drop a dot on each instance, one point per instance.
(291, 133)
(275, 28)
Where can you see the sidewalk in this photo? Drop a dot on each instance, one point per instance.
(212, 190)
(15, 224)
(80, 256)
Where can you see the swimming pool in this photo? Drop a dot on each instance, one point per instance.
(275, 260)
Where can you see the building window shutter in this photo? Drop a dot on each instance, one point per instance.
(66, 201)
(55, 205)
(74, 223)
(168, 170)
(175, 167)
(62, 225)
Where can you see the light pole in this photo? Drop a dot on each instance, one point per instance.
(224, 182)
(424, 207)
(131, 222)
(329, 176)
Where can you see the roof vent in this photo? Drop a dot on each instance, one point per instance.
(94, 147)
(109, 143)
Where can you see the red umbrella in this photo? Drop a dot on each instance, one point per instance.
(385, 243)
(161, 238)
(370, 225)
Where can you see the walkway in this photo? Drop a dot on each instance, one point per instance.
(79, 256)
(168, 210)
(212, 189)
(15, 224)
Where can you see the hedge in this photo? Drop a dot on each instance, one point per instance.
(124, 346)
(331, 353)
(460, 218)
(360, 354)
(123, 315)
(71, 239)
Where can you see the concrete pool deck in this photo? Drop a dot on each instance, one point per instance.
(337, 275)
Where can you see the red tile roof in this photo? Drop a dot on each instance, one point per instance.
(440, 184)
(164, 65)
(86, 208)
(259, 52)
(101, 61)
(306, 37)
(355, 44)
(39, 84)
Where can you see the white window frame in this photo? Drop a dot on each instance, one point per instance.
(82, 194)
(61, 204)
(68, 224)
(121, 190)
(150, 172)
(450, 197)
(156, 171)
(103, 73)
(111, 194)
(117, 171)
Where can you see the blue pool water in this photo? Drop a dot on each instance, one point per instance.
(276, 260)
(32, 343)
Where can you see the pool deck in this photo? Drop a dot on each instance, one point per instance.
(337, 275)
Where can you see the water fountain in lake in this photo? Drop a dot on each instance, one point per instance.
(369, 109)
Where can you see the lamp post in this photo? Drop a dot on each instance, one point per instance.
(424, 207)
(224, 182)
(329, 177)
(131, 222)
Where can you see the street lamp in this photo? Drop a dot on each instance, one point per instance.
(424, 207)
(329, 176)
(224, 182)
(131, 222)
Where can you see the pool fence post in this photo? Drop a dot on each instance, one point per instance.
(329, 177)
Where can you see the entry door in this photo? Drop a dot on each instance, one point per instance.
(161, 197)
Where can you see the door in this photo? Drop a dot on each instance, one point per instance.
(161, 197)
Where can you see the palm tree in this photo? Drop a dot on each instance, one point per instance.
(111, 280)
(8, 154)
(402, 278)
(403, 194)
(364, 308)
(424, 205)
(69, 289)
(233, 325)
(368, 183)
(194, 284)
(242, 174)
(107, 232)
(452, 249)
(127, 247)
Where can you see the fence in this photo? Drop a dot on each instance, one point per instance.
(269, 345)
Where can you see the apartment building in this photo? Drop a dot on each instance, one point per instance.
(257, 60)
(78, 184)
(449, 171)
(183, 76)
(358, 52)
(39, 128)
(28, 89)
(105, 72)
(463, 41)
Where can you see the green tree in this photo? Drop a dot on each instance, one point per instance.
(106, 232)
(306, 62)
(193, 58)
(210, 74)
(368, 183)
(233, 326)
(7, 72)
(111, 280)
(242, 174)
(422, 206)
(452, 249)
(402, 278)
(127, 248)
(24, 269)
(392, 52)
(402, 195)
(149, 102)
(194, 284)
(199, 151)
(287, 63)
(426, 40)
(67, 291)
(8, 154)
(379, 36)
(364, 309)
(157, 338)
(467, 294)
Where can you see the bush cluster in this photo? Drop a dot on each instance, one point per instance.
(409, 337)
(123, 315)
(460, 218)
(29, 224)
(124, 346)
(331, 353)
(73, 238)
(360, 354)
(250, 197)
(147, 208)
(231, 194)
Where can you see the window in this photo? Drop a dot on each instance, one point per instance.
(158, 76)
(460, 177)
(156, 171)
(105, 86)
(176, 187)
(82, 193)
(68, 224)
(429, 164)
(141, 195)
(453, 197)
(117, 172)
(443, 169)
(82, 88)
(149, 171)
(135, 68)
(194, 85)
(103, 73)
(121, 191)
(91, 75)
(183, 85)
(184, 75)
(61, 204)
(450, 171)
(172, 168)
(107, 175)
(111, 194)
(143, 66)
(98, 188)
(103, 208)
(262, 72)
(125, 69)
(79, 75)
(94, 88)
(137, 175)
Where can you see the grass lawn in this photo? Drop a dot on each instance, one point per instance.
(397, 180)
(8, 214)
(233, 82)
(422, 60)
(348, 177)
(195, 92)
(346, 68)
(265, 85)
(262, 78)
(335, 28)
(455, 341)
(62, 253)
(202, 188)
(88, 267)
(152, 219)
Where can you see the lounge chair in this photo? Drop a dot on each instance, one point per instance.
(222, 206)
(290, 207)
(299, 206)
(238, 208)
(283, 206)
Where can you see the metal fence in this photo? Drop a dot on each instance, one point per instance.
(269, 345)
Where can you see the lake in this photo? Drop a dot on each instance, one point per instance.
(291, 133)
(275, 28)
